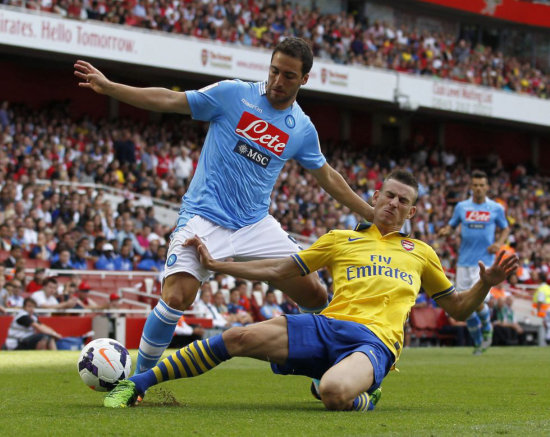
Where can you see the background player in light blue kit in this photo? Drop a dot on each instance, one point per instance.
(254, 129)
(479, 218)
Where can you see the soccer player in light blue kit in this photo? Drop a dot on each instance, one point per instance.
(254, 129)
(479, 218)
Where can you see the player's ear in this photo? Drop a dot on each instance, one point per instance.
(412, 212)
(375, 197)
(305, 79)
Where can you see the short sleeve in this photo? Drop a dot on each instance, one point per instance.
(209, 102)
(501, 220)
(310, 156)
(434, 281)
(40, 298)
(318, 255)
(455, 219)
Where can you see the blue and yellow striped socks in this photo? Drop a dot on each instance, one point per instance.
(361, 403)
(191, 360)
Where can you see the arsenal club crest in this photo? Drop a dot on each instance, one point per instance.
(408, 245)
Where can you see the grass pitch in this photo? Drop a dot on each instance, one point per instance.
(437, 391)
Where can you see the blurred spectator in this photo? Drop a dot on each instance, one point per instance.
(82, 294)
(106, 260)
(125, 148)
(27, 333)
(14, 298)
(205, 308)
(156, 263)
(124, 260)
(507, 330)
(5, 237)
(270, 308)
(16, 255)
(79, 261)
(541, 297)
(127, 232)
(244, 300)
(37, 281)
(289, 306)
(41, 250)
(97, 250)
(45, 298)
(221, 304)
(64, 261)
(239, 315)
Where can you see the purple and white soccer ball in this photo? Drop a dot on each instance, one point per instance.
(102, 363)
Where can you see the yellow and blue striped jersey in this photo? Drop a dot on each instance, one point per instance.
(376, 278)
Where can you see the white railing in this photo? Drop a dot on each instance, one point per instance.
(166, 212)
(130, 274)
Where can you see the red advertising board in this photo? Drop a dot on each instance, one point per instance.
(520, 11)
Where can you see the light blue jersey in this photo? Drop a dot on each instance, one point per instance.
(247, 144)
(479, 222)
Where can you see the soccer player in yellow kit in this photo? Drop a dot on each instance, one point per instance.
(357, 339)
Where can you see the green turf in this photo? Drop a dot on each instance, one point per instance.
(437, 391)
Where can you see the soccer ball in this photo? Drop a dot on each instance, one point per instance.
(102, 363)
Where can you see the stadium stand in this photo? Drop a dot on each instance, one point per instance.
(344, 38)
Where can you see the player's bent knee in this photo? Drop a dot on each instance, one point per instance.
(335, 396)
(179, 291)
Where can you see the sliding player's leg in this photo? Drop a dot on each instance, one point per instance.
(344, 386)
(266, 341)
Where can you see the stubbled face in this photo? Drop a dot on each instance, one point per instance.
(393, 204)
(479, 187)
(284, 80)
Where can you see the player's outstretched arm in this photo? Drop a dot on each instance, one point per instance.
(461, 305)
(151, 99)
(334, 184)
(261, 270)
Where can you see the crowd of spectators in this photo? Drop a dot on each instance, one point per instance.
(70, 227)
(343, 38)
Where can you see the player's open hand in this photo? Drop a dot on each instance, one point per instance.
(204, 256)
(91, 77)
(505, 264)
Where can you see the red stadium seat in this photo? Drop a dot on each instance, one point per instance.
(424, 325)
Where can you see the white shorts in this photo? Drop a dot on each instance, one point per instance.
(466, 277)
(265, 239)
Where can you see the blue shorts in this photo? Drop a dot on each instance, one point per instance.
(316, 343)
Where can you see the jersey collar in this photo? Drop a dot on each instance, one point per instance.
(366, 225)
(261, 88)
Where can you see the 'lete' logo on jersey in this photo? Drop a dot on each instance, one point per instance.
(262, 133)
(478, 216)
